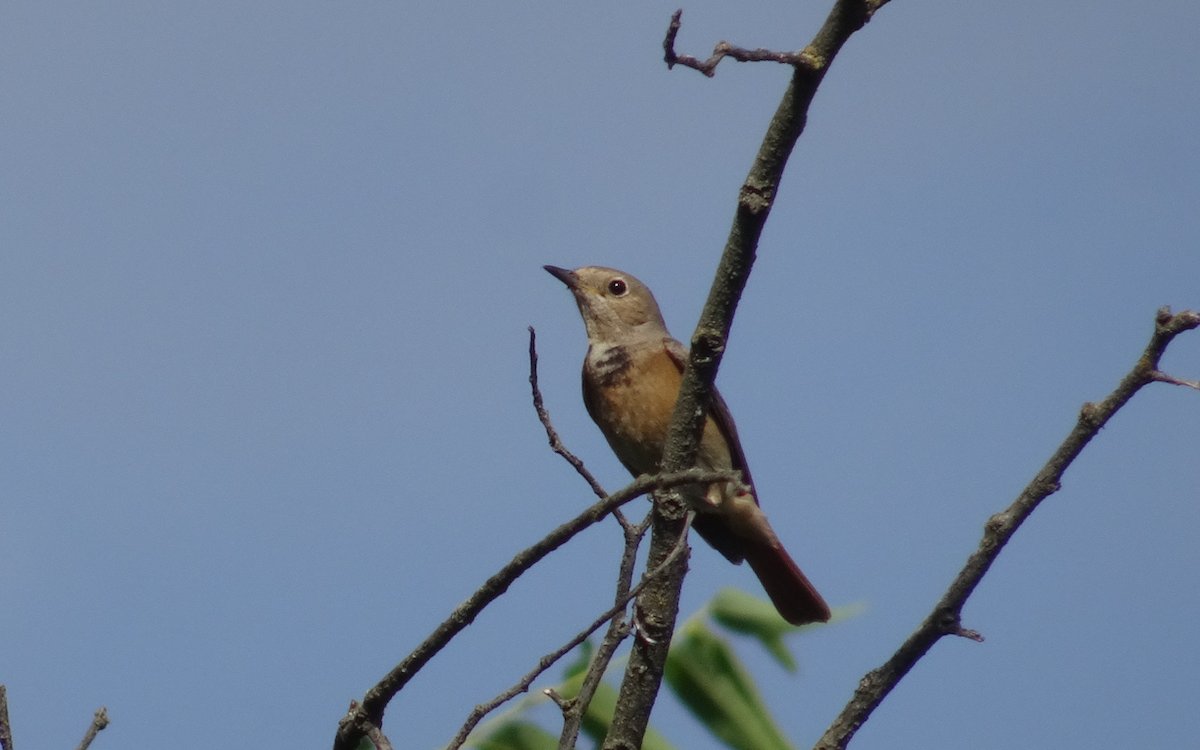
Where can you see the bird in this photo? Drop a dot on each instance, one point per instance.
(631, 378)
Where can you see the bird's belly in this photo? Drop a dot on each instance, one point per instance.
(634, 410)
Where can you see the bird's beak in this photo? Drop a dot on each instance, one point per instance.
(564, 275)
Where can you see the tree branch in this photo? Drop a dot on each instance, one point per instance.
(617, 630)
(367, 716)
(522, 685)
(575, 709)
(945, 619)
(6, 740)
(659, 603)
(556, 443)
(723, 49)
(99, 722)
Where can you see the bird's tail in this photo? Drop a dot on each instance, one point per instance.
(789, 589)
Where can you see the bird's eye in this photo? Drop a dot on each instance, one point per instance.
(617, 287)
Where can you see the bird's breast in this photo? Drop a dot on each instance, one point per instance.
(630, 394)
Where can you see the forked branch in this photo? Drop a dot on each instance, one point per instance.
(365, 718)
(659, 603)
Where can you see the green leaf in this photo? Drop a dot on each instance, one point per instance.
(596, 720)
(598, 717)
(749, 615)
(757, 618)
(708, 678)
(518, 735)
(580, 664)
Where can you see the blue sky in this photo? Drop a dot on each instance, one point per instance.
(267, 272)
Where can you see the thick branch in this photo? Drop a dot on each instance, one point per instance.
(945, 619)
(659, 604)
(6, 741)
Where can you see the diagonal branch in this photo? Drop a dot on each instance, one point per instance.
(618, 628)
(99, 722)
(556, 443)
(522, 685)
(945, 619)
(659, 603)
(367, 716)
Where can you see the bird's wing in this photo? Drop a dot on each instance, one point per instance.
(719, 412)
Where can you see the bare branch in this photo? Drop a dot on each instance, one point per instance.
(617, 630)
(549, 659)
(1163, 377)
(368, 715)
(724, 49)
(99, 722)
(556, 444)
(379, 739)
(945, 619)
(659, 603)
(575, 709)
(6, 740)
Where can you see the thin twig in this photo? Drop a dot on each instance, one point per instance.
(724, 49)
(99, 722)
(945, 619)
(1163, 377)
(617, 630)
(556, 443)
(363, 717)
(522, 685)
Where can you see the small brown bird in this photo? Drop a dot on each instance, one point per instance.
(631, 379)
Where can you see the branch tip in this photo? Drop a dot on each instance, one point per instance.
(99, 722)
(969, 634)
(723, 49)
(1162, 377)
